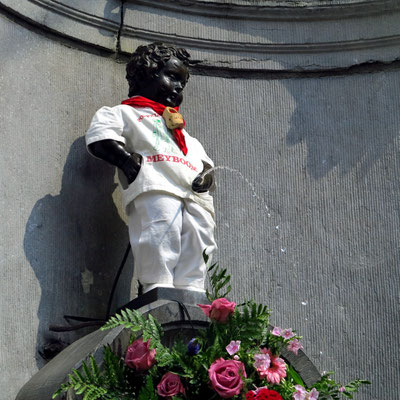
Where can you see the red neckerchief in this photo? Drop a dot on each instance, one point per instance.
(139, 101)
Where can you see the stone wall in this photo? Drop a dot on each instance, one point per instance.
(312, 128)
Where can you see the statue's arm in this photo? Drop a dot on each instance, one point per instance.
(114, 153)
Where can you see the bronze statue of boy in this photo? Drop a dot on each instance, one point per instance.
(169, 208)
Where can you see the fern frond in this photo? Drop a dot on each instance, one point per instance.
(95, 369)
(164, 356)
(152, 330)
(114, 369)
(88, 373)
(131, 319)
(218, 280)
(92, 392)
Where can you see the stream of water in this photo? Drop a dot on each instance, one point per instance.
(241, 176)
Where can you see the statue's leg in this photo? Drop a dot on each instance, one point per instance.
(155, 224)
(197, 234)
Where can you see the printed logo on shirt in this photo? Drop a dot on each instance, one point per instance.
(174, 159)
(147, 116)
(163, 141)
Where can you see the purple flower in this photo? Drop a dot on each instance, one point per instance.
(233, 347)
(287, 334)
(342, 389)
(294, 346)
(277, 331)
(193, 347)
(262, 362)
(313, 395)
(300, 393)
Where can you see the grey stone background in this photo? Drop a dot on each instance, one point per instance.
(320, 148)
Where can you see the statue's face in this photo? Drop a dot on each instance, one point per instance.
(166, 86)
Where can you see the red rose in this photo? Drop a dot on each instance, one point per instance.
(226, 377)
(170, 385)
(139, 355)
(263, 394)
(219, 310)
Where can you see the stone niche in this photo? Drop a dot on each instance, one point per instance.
(240, 34)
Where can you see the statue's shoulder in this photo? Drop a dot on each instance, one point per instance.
(123, 111)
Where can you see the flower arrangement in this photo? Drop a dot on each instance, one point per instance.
(236, 357)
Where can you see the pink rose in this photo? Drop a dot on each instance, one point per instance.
(139, 355)
(219, 310)
(226, 377)
(170, 385)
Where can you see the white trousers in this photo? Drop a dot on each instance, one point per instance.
(168, 235)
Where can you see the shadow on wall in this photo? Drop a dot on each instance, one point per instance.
(349, 128)
(111, 9)
(74, 242)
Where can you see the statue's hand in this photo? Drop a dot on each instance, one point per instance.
(204, 181)
(131, 167)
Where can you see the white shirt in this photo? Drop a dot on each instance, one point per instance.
(164, 167)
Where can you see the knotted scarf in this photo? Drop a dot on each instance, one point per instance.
(139, 101)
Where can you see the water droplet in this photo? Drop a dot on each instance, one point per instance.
(304, 303)
(269, 215)
(277, 227)
(306, 319)
(283, 249)
(320, 352)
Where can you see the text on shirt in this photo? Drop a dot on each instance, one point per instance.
(164, 157)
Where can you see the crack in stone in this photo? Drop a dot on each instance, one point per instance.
(368, 67)
(121, 26)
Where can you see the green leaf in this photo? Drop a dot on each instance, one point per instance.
(57, 393)
(131, 319)
(87, 372)
(78, 375)
(205, 256)
(295, 376)
(348, 395)
(79, 389)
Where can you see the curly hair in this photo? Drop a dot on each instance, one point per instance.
(147, 60)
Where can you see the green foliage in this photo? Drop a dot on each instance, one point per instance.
(328, 389)
(89, 382)
(151, 330)
(294, 377)
(131, 319)
(218, 279)
(285, 389)
(114, 370)
(252, 323)
(147, 392)
(110, 383)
